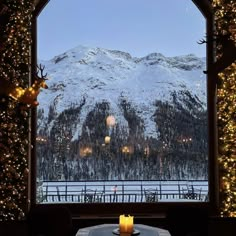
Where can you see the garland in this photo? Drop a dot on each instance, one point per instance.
(15, 43)
(225, 22)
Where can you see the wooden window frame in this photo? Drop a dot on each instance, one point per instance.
(147, 209)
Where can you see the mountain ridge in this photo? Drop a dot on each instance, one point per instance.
(100, 74)
(160, 110)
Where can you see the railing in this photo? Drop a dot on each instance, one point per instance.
(122, 191)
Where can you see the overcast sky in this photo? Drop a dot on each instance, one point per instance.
(140, 27)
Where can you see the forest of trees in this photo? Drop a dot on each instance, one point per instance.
(178, 151)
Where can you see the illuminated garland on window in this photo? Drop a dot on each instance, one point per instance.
(15, 42)
(225, 20)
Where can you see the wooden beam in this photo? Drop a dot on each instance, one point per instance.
(39, 5)
(205, 7)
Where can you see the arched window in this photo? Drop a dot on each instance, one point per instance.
(142, 128)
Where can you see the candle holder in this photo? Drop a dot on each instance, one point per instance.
(117, 232)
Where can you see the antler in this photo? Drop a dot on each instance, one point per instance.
(40, 69)
(202, 41)
(215, 38)
(228, 54)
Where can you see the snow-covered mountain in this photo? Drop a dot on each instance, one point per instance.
(96, 75)
(159, 105)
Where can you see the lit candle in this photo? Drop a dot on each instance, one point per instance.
(126, 224)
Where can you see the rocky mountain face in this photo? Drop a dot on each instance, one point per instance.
(158, 110)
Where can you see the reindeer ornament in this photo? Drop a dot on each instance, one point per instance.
(27, 96)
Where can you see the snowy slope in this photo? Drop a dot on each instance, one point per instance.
(98, 74)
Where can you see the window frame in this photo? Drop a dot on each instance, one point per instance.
(112, 209)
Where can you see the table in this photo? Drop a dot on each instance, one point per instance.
(106, 230)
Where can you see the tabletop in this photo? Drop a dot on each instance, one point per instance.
(106, 230)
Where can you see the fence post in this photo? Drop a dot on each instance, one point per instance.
(46, 194)
(58, 194)
(160, 190)
(179, 191)
(141, 191)
(104, 191)
(66, 191)
(104, 188)
(123, 192)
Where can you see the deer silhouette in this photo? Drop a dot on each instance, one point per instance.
(228, 53)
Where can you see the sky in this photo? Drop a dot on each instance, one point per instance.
(139, 27)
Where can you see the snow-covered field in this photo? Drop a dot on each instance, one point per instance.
(122, 191)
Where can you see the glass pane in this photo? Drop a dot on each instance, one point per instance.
(125, 115)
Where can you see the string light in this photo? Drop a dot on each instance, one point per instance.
(14, 126)
(225, 15)
(14, 66)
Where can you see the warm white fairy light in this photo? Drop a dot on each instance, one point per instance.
(14, 121)
(225, 15)
(14, 67)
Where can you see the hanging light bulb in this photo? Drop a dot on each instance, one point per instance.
(107, 139)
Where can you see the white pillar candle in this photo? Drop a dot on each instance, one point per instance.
(126, 224)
